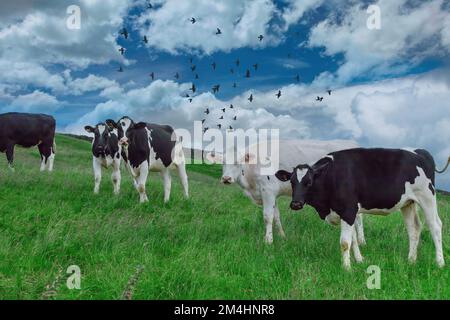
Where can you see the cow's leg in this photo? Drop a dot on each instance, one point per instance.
(10, 156)
(142, 181)
(167, 179)
(278, 221)
(115, 176)
(346, 243)
(355, 246)
(97, 174)
(45, 151)
(359, 226)
(51, 158)
(429, 206)
(414, 229)
(268, 208)
(184, 179)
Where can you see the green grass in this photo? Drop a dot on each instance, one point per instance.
(208, 247)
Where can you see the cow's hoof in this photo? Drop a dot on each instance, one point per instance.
(362, 242)
(440, 263)
(268, 240)
(359, 259)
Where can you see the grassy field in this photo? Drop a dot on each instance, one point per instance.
(208, 247)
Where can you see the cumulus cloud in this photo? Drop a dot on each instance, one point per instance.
(410, 32)
(241, 21)
(35, 102)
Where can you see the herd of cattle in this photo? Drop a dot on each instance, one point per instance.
(340, 180)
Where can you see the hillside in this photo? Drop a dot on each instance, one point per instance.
(210, 246)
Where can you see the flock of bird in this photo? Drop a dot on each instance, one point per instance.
(215, 89)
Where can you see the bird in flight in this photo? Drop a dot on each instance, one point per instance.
(278, 94)
(297, 77)
(261, 37)
(250, 98)
(207, 111)
(329, 92)
(235, 118)
(152, 75)
(230, 127)
(196, 76)
(221, 118)
(177, 76)
(319, 98)
(223, 109)
(205, 129)
(237, 62)
(124, 32)
(220, 126)
(122, 50)
(190, 100)
(216, 88)
(231, 106)
(234, 85)
(149, 5)
(203, 121)
(247, 74)
(214, 65)
(145, 39)
(193, 88)
(193, 67)
(120, 69)
(218, 31)
(193, 20)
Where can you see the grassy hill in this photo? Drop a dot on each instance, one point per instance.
(208, 247)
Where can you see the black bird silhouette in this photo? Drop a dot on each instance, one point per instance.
(231, 106)
(220, 126)
(152, 75)
(214, 65)
(297, 77)
(193, 67)
(177, 76)
(145, 40)
(186, 95)
(234, 85)
(149, 5)
(122, 50)
(319, 98)
(230, 127)
(124, 32)
(203, 121)
(193, 20)
(205, 129)
(250, 98)
(237, 62)
(255, 66)
(120, 69)
(329, 92)
(261, 37)
(207, 111)
(190, 100)
(216, 88)
(221, 118)
(247, 74)
(235, 118)
(193, 88)
(223, 109)
(218, 31)
(196, 76)
(278, 94)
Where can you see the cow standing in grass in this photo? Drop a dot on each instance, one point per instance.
(28, 130)
(106, 152)
(373, 181)
(151, 147)
(245, 170)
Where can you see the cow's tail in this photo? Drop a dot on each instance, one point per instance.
(446, 167)
(54, 146)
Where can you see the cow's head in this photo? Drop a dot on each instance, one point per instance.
(302, 180)
(102, 133)
(125, 127)
(231, 172)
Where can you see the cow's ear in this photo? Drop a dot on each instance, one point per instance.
(89, 129)
(139, 125)
(111, 123)
(283, 175)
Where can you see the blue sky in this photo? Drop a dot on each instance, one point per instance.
(390, 86)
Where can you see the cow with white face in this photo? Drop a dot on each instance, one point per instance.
(151, 147)
(106, 152)
(264, 189)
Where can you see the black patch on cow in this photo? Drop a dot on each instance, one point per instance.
(374, 178)
(27, 130)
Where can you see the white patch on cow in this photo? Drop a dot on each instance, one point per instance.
(101, 128)
(300, 174)
(333, 218)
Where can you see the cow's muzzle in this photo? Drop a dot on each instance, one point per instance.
(123, 141)
(297, 205)
(227, 180)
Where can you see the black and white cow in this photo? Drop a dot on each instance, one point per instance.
(106, 152)
(373, 181)
(28, 130)
(151, 147)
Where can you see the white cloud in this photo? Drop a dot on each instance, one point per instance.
(408, 34)
(296, 9)
(241, 21)
(90, 83)
(35, 102)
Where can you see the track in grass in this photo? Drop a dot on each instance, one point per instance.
(208, 247)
